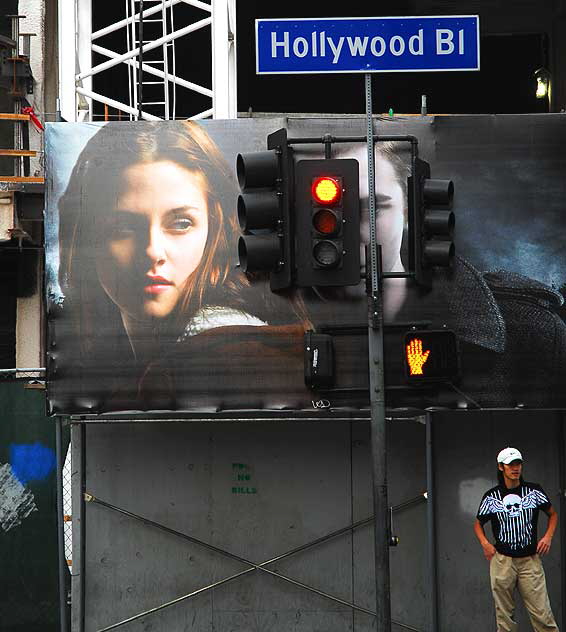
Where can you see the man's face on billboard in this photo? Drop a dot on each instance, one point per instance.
(153, 239)
(390, 198)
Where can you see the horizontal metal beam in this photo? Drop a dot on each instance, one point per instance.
(8, 116)
(17, 152)
(24, 370)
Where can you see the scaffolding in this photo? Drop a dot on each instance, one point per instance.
(150, 33)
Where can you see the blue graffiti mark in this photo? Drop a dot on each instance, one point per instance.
(31, 462)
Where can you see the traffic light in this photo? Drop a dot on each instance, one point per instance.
(266, 181)
(431, 356)
(431, 223)
(327, 222)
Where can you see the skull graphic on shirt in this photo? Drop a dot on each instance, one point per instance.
(513, 505)
(514, 514)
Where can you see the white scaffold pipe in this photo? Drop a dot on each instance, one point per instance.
(67, 59)
(155, 44)
(147, 13)
(150, 70)
(223, 59)
(116, 104)
(201, 115)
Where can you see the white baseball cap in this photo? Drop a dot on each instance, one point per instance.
(508, 455)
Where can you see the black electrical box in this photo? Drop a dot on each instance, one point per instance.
(319, 360)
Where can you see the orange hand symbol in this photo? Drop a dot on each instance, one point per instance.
(415, 356)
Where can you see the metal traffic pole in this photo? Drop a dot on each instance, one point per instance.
(377, 395)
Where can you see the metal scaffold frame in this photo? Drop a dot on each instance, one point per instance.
(86, 499)
(76, 70)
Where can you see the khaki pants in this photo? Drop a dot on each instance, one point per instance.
(527, 574)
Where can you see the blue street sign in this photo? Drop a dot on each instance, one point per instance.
(409, 44)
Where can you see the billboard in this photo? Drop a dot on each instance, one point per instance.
(149, 311)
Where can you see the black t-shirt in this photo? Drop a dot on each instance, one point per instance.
(514, 514)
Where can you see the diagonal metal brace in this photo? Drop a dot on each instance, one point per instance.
(252, 566)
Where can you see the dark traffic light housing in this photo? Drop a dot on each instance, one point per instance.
(327, 222)
(431, 222)
(264, 211)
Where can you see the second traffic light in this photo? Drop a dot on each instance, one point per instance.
(327, 222)
(431, 223)
(264, 211)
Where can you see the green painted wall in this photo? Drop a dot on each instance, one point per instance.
(29, 599)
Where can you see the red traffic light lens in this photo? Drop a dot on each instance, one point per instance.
(326, 254)
(326, 190)
(325, 222)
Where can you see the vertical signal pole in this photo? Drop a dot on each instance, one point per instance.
(377, 395)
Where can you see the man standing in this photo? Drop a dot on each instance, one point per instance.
(512, 507)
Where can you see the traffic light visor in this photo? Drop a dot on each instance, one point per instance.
(439, 222)
(439, 253)
(259, 169)
(258, 210)
(439, 192)
(258, 252)
(326, 190)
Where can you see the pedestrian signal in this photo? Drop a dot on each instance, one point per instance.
(431, 356)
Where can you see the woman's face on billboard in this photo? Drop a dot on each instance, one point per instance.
(153, 239)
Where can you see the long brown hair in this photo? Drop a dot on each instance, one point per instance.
(92, 192)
